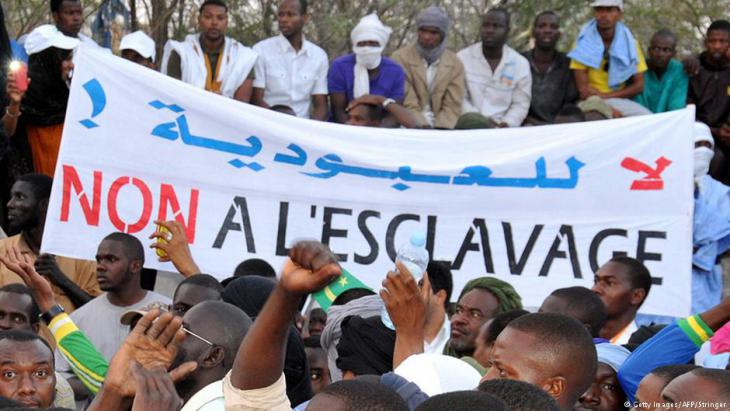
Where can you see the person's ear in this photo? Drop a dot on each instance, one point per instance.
(555, 386)
(214, 357)
(43, 207)
(36, 327)
(136, 266)
(638, 295)
(306, 18)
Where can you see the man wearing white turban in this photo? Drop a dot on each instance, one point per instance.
(434, 75)
(366, 71)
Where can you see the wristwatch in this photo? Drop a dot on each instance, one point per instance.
(387, 102)
(49, 315)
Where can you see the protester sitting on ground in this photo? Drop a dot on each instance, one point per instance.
(316, 322)
(699, 386)
(607, 60)
(209, 59)
(250, 294)
(26, 369)
(291, 70)
(519, 395)
(257, 379)
(570, 113)
(193, 291)
(43, 108)
(481, 299)
(74, 281)
(379, 111)
(317, 359)
(711, 225)
(366, 71)
(623, 284)
(580, 303)
(19, 311)
(489, 332)
(120, 258)
(551, 351)
(665, 83)
(463, 401)
(606, 393)
(68, 16)
(434, 75)
(677, 343)
(708, 92)
(474, 121)
(553, 85)
(139, 48)
(498, 79)
(651, 387)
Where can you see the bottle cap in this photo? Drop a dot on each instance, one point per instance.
(418, 238)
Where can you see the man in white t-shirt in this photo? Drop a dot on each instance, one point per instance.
(119, 259)
(292, 71)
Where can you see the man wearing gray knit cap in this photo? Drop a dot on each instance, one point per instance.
(434, 75)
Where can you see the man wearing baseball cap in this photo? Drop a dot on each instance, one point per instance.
(138, 48)
(607, 60)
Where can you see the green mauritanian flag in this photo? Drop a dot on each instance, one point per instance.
(344, 282)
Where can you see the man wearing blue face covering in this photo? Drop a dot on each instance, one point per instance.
(607, 61)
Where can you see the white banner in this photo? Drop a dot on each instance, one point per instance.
(540, 207)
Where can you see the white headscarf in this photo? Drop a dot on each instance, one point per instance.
(702, 155)
(370, 28)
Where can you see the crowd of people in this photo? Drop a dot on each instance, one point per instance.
(93, 335)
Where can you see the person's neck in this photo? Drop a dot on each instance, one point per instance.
(212, 45)
(493, 55)
(373, 73)
(616, 324)
(296, 40)
(129, 295)
(203, 378)
(434, 323)
(33, 237)
(544, 55)
(607, 35)
(659, 71)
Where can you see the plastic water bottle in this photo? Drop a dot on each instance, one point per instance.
(414, 256)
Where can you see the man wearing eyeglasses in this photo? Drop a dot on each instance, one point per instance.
(665, 83)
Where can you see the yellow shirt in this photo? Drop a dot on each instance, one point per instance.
(598, 78)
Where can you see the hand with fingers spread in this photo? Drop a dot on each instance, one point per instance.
(153, 343)
(21, 265)
(175, 247)
(154, 390)
(311, 266)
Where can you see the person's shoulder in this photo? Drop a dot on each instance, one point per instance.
(344, 61)
(404, 52)
(90, 309)
(10, 241)
(153, 297)
(315, 50)
(517, 58)
(466, 51)
(265, 43)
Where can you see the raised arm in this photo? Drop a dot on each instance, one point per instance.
(46, 265)
(260, 359)
(174, 248)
